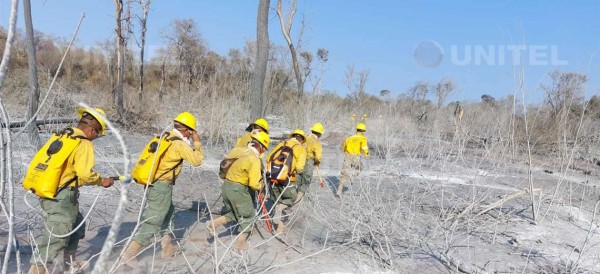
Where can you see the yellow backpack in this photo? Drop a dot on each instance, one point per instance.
(48, 164)
(144, 171)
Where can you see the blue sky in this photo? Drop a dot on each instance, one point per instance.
(381, 36)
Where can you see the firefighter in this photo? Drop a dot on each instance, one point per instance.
(241, 180)
(314, 155)
(353, 146)
(158, 214)
(62, 213)
(259, 125)
(285, 193)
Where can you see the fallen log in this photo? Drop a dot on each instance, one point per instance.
(503, 200)
(455, 264)
(39, 123)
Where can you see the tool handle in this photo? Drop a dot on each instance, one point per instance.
(118, 178)
(265, 212)
(320, 179)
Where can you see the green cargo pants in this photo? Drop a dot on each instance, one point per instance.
(62, 216)
(288, 195)
(285, 197)
(159, 213)
(238, 205)
(305, 177)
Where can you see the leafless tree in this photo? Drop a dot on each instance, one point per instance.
(357, 90)
(565, 91)
(323, 57)
(5, 153)
(186, 44)
(418, 105)
(145, 5)
(361, 90)
(262, 55)
(349, 76)
(34, 95)
(118, 94)
(443, 89)
(286, 29)
(419, 91)
(307, 60)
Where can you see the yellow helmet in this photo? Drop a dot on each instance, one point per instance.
(187, 119)
(361, 127)
(261, 122)
(299, 132)
(318, 128)
(262, 137)
(97, 113)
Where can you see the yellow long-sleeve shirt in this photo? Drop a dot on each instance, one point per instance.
(81, 163)
(246, 169)
(244, 140)
(299, 159)
(356, 143)
(170, 167)
(314, 150)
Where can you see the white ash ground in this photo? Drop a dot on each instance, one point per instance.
(405, 214)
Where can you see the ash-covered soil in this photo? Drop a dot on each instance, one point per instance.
(421, 210)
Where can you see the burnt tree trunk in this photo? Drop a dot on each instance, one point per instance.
(262, 55)
(143, 23)
(120, 57)
(34, 95)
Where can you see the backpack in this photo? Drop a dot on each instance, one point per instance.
(224, 167)
(144, 171)
(49, 163)
(279, 165)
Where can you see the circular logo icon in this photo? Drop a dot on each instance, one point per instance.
(428, 54)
